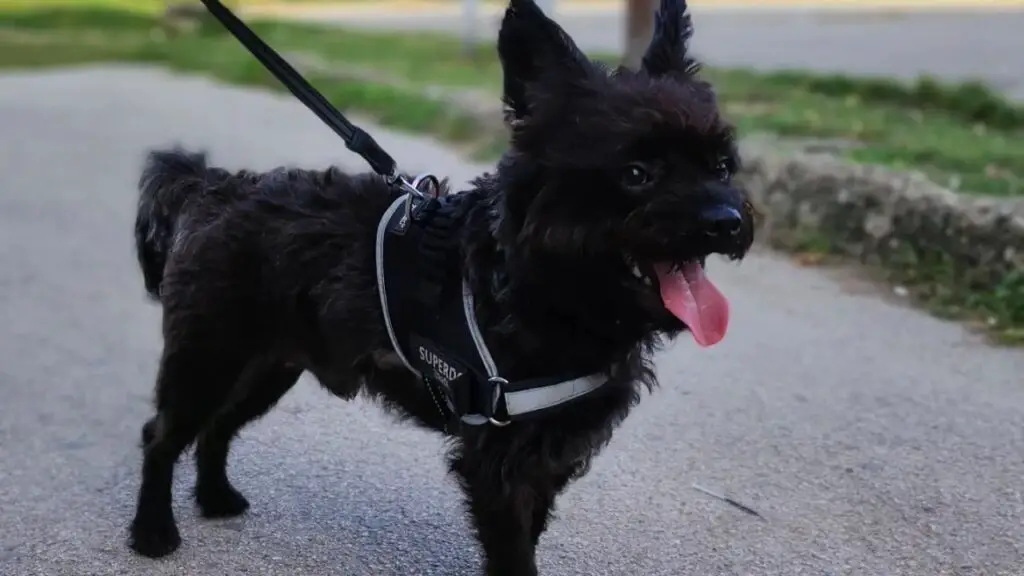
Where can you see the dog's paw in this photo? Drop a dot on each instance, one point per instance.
(220, 501)
(154, 538)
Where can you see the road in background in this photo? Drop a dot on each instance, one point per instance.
(953, 44)
(875, 439)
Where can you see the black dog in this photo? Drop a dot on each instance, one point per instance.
(582, 251)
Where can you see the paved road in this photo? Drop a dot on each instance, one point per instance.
(953, 44)
(876, 440)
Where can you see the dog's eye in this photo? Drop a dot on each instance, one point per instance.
(722, 170)
(635, 176)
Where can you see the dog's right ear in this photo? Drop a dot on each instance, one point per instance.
(535, 52)
(668, 51)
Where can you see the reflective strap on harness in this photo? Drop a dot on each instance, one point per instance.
(382, 230)
(526, 399)
(469, 309)
(531, 400)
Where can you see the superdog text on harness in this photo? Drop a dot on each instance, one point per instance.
(428, 307)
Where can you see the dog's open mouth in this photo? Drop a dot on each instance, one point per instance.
(690, 296)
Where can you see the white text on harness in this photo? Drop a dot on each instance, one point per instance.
(444, 371)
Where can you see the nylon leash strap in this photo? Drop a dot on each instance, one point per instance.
(356, 139)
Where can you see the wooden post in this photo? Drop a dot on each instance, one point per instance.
(469, 28)
(639, 30)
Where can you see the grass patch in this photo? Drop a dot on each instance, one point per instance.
(929, 278)
(83, 7)
(148, 5)
(62, 36)
(117, 23)
(39, 56)
(971, 102)
(964, 136)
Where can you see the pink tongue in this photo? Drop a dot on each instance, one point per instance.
(691, 297)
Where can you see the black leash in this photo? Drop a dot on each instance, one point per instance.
(356, 139)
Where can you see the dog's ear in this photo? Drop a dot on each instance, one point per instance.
(667, 53)
(533, 50)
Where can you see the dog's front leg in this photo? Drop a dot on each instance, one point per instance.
(510, 500)
(502, 512)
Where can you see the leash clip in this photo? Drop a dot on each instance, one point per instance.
(425, 188)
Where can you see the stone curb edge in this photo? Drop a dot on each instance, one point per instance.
(882, 217)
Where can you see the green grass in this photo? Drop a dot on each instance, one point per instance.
(964, 136)
(971, 156)
(931, 279)
(961, 134)
(82, 7)
(146, 5)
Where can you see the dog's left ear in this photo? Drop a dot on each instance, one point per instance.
(535, 53)
(667, 53)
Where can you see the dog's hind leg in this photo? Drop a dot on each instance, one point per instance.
(192, 383)
(260, 387)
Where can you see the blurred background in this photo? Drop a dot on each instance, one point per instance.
(912, 81)
(883, 138)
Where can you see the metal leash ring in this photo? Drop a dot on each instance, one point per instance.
(425, 187)
(499, 384)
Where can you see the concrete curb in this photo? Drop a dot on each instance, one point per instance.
(881, 217)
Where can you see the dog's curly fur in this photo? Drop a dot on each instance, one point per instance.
(264, 275)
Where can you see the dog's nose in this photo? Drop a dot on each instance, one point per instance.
(722, 221)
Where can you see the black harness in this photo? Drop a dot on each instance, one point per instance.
(428, 307)
(431, 319)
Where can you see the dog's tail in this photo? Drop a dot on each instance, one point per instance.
(169, 178)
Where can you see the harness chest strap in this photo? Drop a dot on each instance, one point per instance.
(431, 322)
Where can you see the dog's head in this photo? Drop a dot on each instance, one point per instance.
(622, 176)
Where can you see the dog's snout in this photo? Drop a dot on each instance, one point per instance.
(722, 220)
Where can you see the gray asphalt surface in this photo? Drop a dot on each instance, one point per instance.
(876, 440)
(953, 44)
